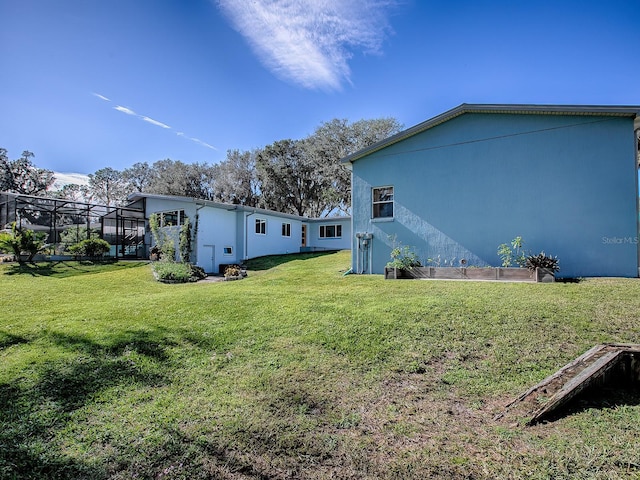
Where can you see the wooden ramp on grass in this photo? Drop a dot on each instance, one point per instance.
(598, 366)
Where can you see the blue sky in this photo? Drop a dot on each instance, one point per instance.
(88, 84)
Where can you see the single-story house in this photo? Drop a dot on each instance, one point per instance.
(228, 234)
(564, 178)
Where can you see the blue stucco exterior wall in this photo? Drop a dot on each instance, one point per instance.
(566, 183)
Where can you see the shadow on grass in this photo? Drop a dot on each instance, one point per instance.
(270, 261)
(37, 405)
(63, 269)
(9, 339)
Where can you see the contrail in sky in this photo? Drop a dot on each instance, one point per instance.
(152, 121)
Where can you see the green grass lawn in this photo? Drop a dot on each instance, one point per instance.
(300, 372)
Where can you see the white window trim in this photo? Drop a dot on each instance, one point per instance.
(180, 214)
(224, 251)
(336, 225)
(374, 203)
(261, 221)
(287, 229)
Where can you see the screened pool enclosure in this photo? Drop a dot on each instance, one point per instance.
(67, 222)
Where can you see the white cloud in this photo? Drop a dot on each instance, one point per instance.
(126, 110)
(62, 179)
(310, 41)
(155, 122)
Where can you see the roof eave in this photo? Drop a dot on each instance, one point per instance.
(632, 111)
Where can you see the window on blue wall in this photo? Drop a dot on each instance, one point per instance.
(261, 226)
(228, 250)
(383, 202)
(286, 229)
(330, 231)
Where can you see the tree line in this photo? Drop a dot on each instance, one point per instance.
(303, 177)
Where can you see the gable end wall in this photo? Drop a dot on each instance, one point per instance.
(566, 184)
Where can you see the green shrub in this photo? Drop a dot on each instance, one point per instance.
(185, 241)
(513, 253)
(403, 258)
(197, 273)
(232, 271)
(75, 234)
(22, 241)
(177, 272)
(164, 242)
(91, 247)
(542, 260)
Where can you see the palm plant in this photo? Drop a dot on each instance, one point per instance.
(22, 242)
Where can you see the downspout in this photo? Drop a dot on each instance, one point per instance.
(370, 254)
(196, 225)
(358, 253)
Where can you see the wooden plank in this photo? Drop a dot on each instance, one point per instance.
(628, 347)
(578, 383)
(590, 367)
(516, 274)
(582, 358)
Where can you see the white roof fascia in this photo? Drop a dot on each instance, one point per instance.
(328, 219)
(209, 203)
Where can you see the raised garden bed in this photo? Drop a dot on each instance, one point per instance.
(471, 273)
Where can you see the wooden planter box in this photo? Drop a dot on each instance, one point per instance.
(544, 275)
(466, 273)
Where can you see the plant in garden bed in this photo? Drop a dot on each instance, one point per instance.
(542, 260)
(234, 272)
(512, 253)
(184, 241)
(174, 272)
(403, 261)
(167, 269)
(165, 245)
(403, 258)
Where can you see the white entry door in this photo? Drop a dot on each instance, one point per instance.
(209, 260)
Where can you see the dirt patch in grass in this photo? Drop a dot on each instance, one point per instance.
(403, 426)
(415, 426)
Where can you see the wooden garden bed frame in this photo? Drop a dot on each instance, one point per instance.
(472, 273)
